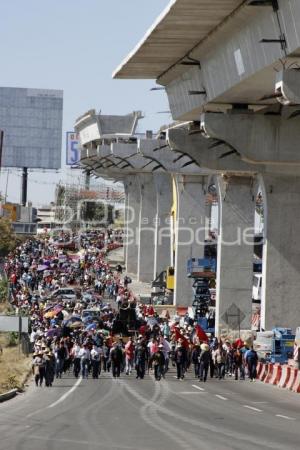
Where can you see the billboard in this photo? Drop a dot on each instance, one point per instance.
(14, 323)
(72, 148)
(31, 120)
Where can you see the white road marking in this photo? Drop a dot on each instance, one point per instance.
(253, 409)
(189, 392)
(285, 417)
(69, 392)
(259, 403)
(198, 387)
(221, 397)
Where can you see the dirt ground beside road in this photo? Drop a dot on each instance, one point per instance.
(14, 367)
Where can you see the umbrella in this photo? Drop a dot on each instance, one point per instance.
(91, 326)
(75, 325)
(75, 319)
(54, 332)
(88, 319)
(50, 315)
(58, 309)
(48, 308)
(41, 268)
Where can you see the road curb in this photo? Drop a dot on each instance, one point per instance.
(13, 392)
(8, 395)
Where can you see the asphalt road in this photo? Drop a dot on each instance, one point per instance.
(145, 414)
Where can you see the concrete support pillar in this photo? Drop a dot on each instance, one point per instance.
(164, 198)
(146, 234)
(125, 245)
(132, 217)
(189, 232)
(281, 254)
(208, 211)
(235, 253)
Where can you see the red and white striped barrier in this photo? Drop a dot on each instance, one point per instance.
(259, 368)
(296, 386)
(276, 375)
(269, 374)
(263, 373)
(292, 380)
(285, 376)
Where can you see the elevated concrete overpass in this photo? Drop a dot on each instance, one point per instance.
(210, 55)
(159, 176)
(231, 73)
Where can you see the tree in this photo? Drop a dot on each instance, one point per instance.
(7, 237)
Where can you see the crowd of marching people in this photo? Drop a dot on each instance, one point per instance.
(100, 326)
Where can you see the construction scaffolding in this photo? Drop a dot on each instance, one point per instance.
(72, 200)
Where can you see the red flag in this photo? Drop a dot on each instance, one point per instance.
(184, 340)
(202, 336)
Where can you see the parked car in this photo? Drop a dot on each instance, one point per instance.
(65, 293)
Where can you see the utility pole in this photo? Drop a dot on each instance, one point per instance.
(24, 186)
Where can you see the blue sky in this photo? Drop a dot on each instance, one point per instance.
(75, 46)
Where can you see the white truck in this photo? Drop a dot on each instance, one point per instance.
(263, 344)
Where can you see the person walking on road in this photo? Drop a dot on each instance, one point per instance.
(38, 368)
(204, 362)
(75, 355)
(85, 357)
(49, 368)
(238, 365)
(140, 358)
(129, 356)
(220, 360)
(116, 358)
(180, 360)
(251, 361)
(61, 355)
(158, 361)
(196, 359)
(95, 361)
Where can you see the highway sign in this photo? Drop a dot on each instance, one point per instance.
(233, 317)
(13, 323)
(72, 148)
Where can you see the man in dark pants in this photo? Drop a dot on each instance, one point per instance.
(95, 361)
(238, 365)
(159, 361)
(195, 359)
(251, 361)
(140, 358)
(180, 360)
(116, 358)
(204, 359)
(49, 368)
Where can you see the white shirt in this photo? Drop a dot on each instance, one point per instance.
(84, 353)
(95, 354)
(76, 351)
